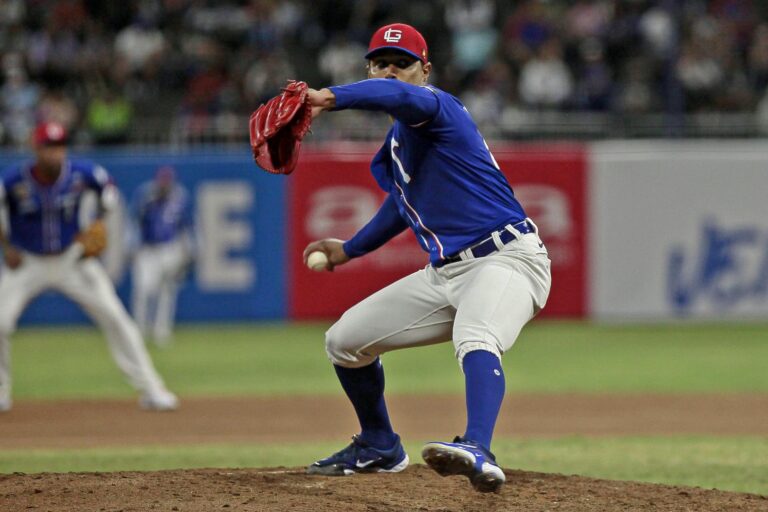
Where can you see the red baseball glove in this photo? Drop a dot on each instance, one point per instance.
(277, 128)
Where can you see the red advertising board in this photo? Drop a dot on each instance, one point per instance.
(550, 182)
(332, 194)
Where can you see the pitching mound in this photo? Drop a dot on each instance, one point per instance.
(72, 424)
(416, 489)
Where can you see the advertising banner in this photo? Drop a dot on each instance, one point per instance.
(679, 230)
(239, 266)
(550, 180)
(248, 264)
(332, 195)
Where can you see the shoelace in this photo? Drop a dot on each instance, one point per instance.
(473, 444)
(356, 445)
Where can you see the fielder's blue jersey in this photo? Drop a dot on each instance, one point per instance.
(442, 180)
(161, 219)
(44, 219)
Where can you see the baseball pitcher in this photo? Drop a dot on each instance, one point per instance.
(488, 272)
(45, 247)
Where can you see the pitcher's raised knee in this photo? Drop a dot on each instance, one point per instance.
(345, 347)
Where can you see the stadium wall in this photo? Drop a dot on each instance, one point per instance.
(637, 231)
(678, 230)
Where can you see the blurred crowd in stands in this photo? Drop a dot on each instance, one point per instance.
(189, 70)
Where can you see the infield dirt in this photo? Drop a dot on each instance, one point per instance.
(73, 424)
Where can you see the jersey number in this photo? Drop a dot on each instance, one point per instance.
(393, 146)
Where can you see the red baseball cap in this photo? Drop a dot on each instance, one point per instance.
(49, 133)
(399, 36)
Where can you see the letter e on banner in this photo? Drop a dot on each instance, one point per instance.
(223, 209)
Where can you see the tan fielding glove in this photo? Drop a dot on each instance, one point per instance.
(93, 239)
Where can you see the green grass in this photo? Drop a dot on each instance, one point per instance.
(549, 357)
(736, 464)
(726, 463)
(290, 359)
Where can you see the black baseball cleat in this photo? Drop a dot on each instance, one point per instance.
(468, 458)
(360, 457)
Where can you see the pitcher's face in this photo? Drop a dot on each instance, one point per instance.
(399, 65)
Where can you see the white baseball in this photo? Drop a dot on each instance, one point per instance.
(317, 261)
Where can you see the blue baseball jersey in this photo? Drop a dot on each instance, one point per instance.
(161, 218)
(44, 219)
(442, 179)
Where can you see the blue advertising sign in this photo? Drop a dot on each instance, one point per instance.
(238, 271)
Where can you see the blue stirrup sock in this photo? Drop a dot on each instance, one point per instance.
(365, 389)
(484, 388)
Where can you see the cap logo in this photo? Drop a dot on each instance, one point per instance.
(393, 35)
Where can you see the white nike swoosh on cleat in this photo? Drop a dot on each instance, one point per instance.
(361, 464)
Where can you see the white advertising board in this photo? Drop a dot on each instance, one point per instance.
(679, 230)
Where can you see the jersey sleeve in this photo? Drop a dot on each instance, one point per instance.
(384, 226)
(408, 103)
(101, 182)
(98, 178)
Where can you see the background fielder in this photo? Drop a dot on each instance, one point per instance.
(40, 205)
(489, 272)
(164, 231)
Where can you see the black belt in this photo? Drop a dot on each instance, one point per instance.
(488, 246)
